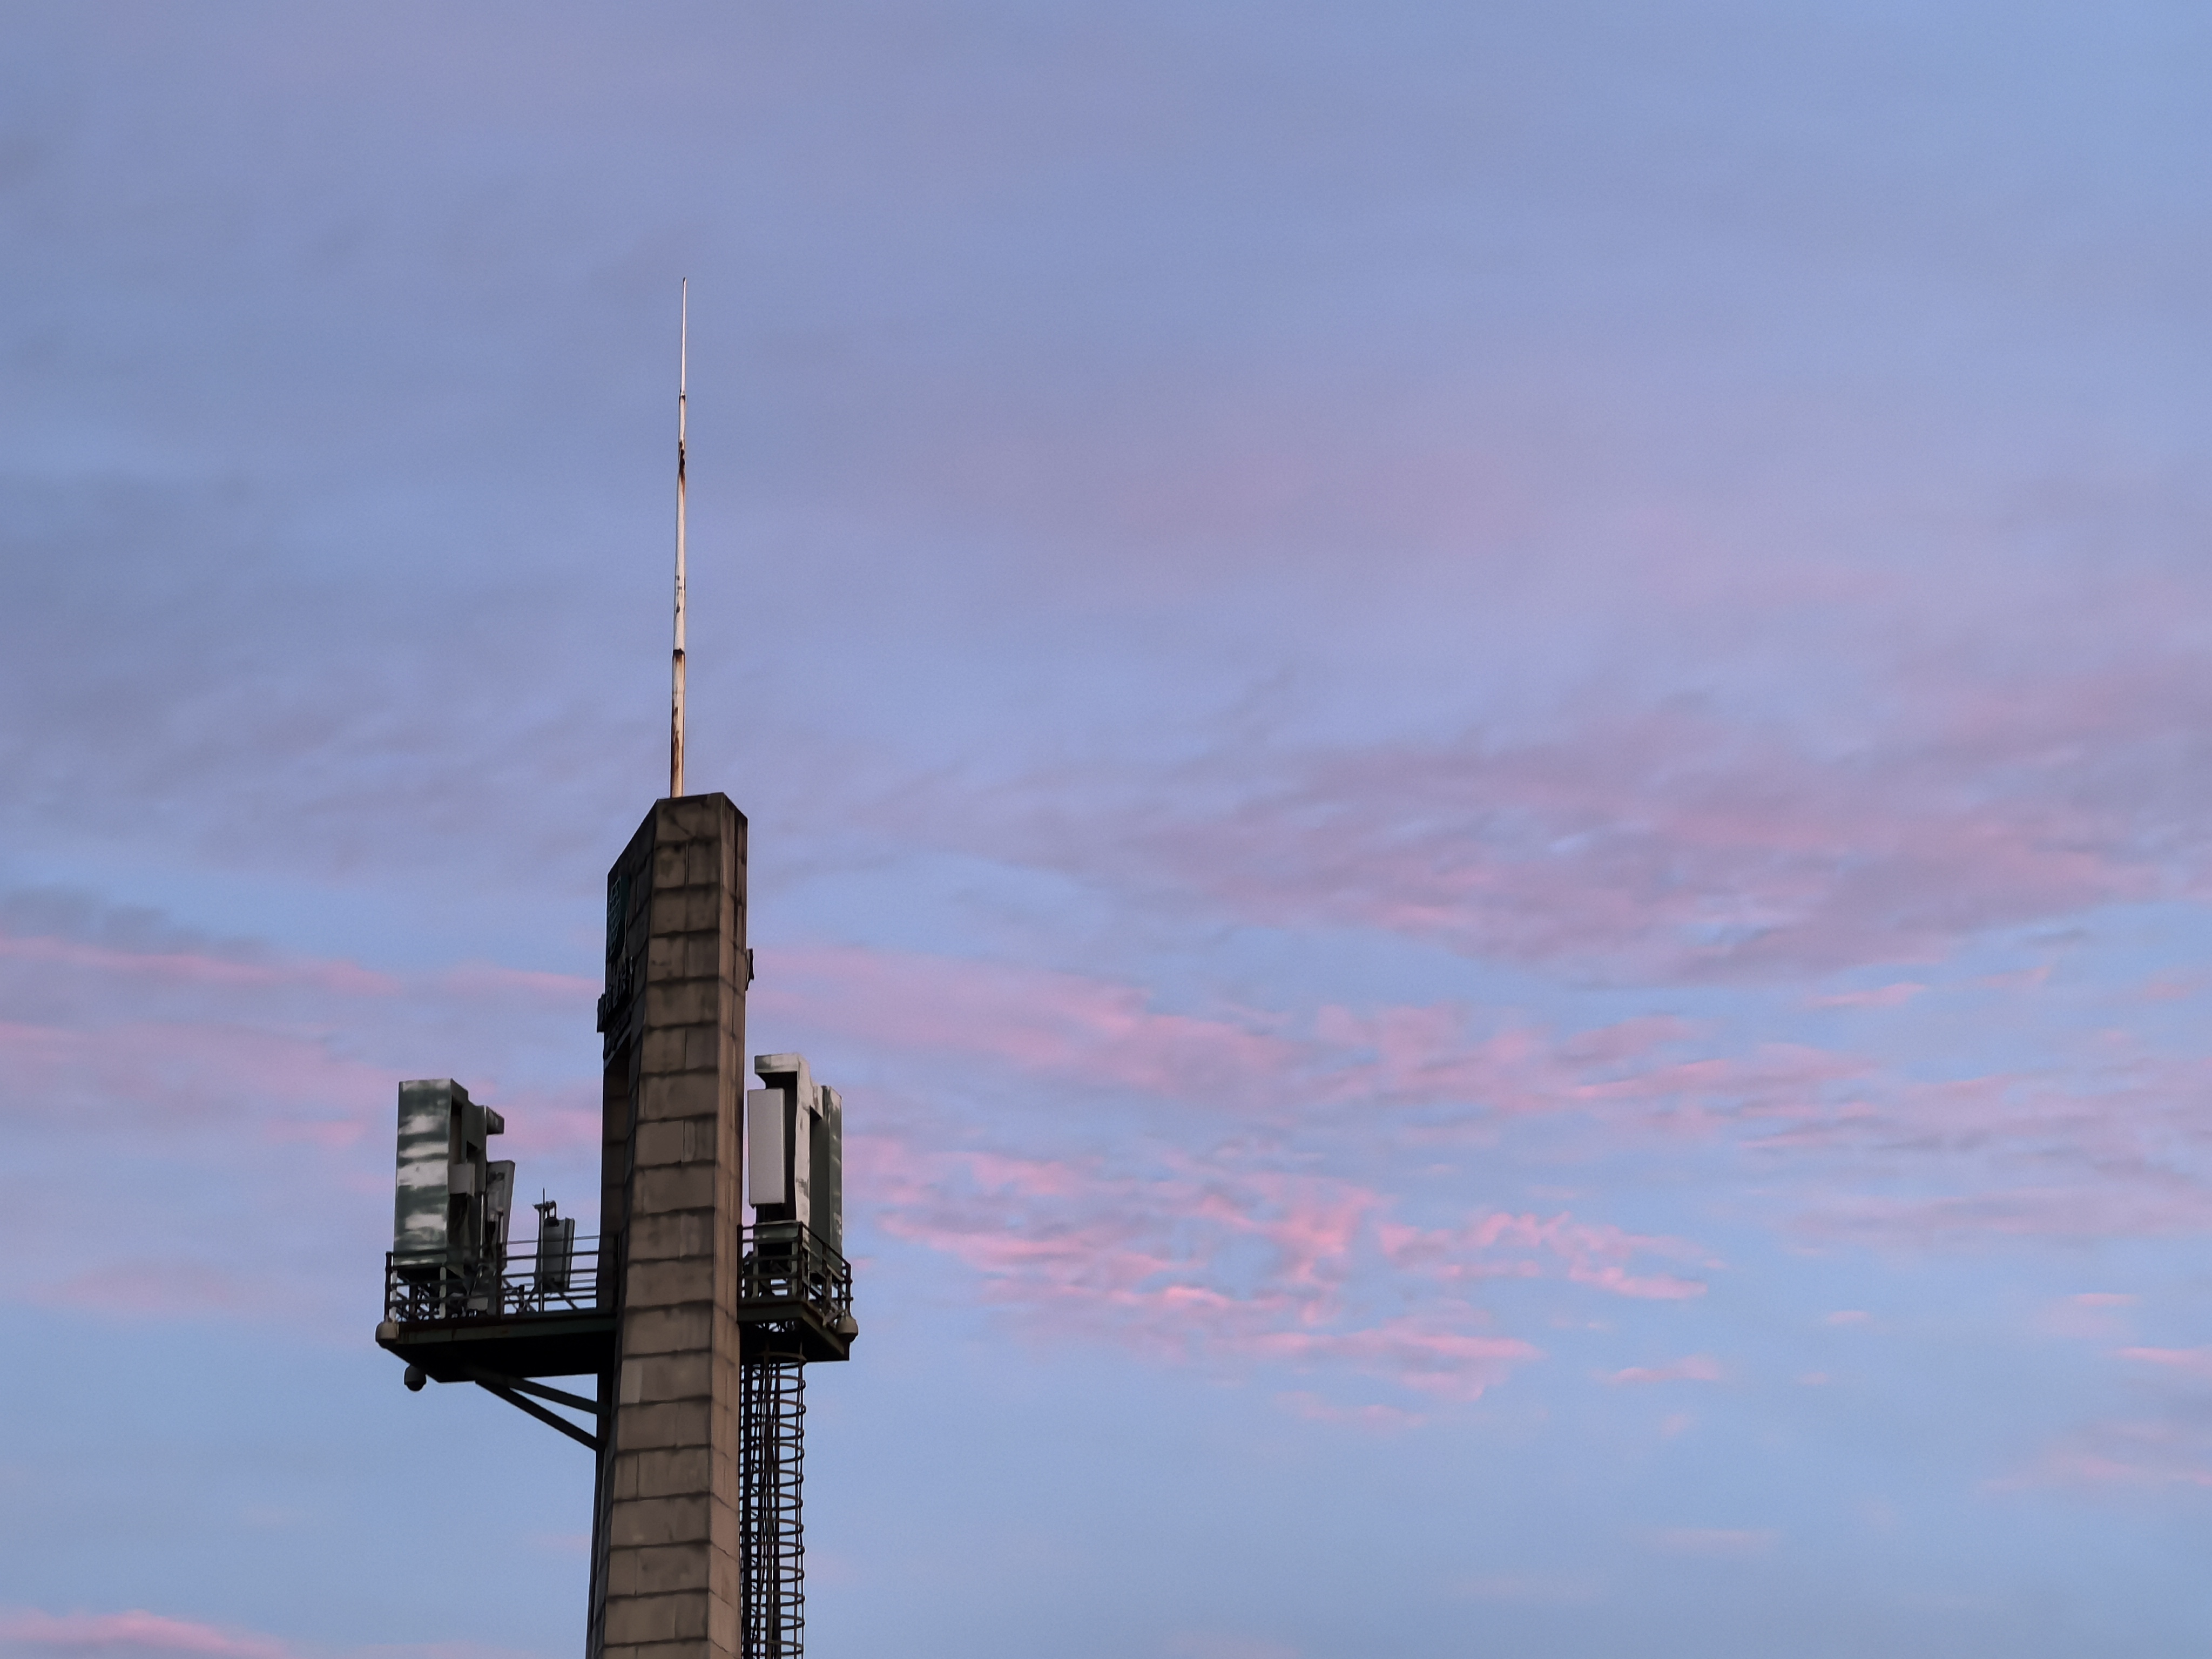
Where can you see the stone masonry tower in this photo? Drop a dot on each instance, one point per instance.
(666, 1561)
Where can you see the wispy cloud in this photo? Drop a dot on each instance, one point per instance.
(1887, 996)
(253, 1080)
(2145, 1454)
(2194, 1362)
(1715, 1543)
(1531, 1589)
(1219, 1266)
(1669, 847)
(1692, 1368)
(33, 1633)
(1312, 1409)
(30, 1631)
(1194, 1644)
(1500, 1245)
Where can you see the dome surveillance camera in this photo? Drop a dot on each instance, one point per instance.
(414, 1379)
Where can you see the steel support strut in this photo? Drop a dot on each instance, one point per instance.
(512, 1388)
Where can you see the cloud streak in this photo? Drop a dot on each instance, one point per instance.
(30, 1631)
(1693, 1368)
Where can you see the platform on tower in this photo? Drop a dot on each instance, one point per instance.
(521, 1315)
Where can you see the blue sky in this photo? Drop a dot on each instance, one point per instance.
(1477, 732)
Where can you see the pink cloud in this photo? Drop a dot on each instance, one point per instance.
(29, 1632)
(1413, 1352)
(264, 1091)
(1239, 1254)
(194, 969)
(1598, 1255)
(2083, 1150)
(1312, 1408)
(2093, 1317)
(1237, 1258)
(171, 1076)
(2080, 1210)
(1669, 845)
(1036, 1020)
(1888, 996)
(1084, 1033)
(1715, 1543)
(1824, 1110)
(482, 978)
(172, 1042)
(1693, 1368)
(1553, 1590)
(2170, 987)
(2143, 1454)
(2028, 979)
(166, 1288)
(1206, 1644)
(2193, 1363)
(2077, 1467)
(1219, 1266)
(122, 1633)
(1846, 1144)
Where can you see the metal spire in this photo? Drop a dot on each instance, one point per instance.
(676, 694)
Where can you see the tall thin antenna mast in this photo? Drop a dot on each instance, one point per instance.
(676, 694)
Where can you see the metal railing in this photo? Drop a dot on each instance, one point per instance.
(433, 1285)
(778, 1262)
(788, 1262)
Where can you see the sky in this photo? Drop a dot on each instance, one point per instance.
(1478, 732)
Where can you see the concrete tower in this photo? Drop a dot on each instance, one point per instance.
(666, 1551)
(696, 1328)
